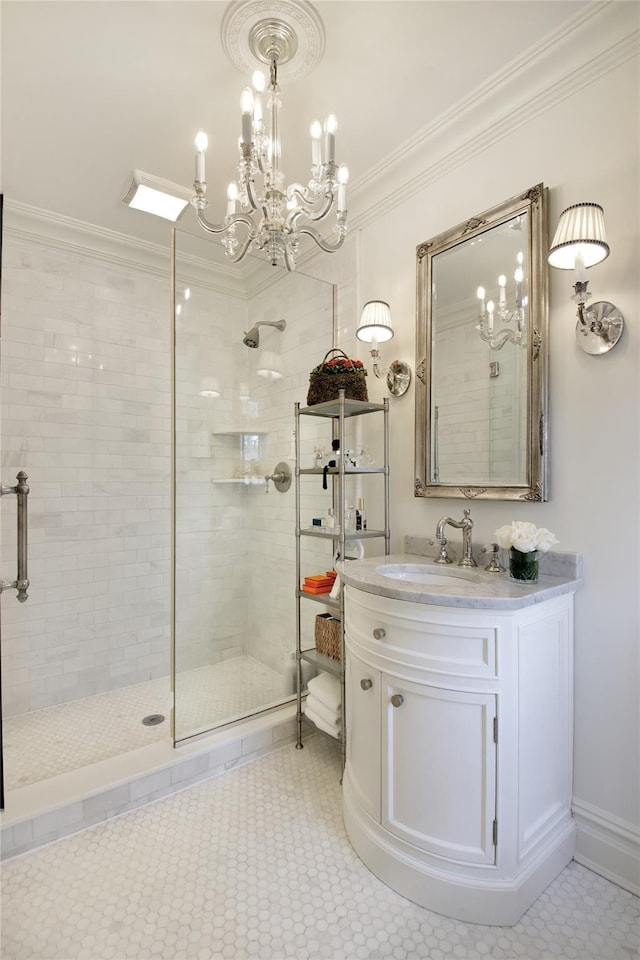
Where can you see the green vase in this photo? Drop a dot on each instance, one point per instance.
(523, 566)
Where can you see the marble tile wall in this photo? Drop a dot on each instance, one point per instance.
(85, 411)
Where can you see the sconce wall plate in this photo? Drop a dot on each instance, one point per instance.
(398, 378)
(603, 330)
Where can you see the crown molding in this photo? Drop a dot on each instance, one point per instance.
(56, 231)
(587, 47)
(591, 44)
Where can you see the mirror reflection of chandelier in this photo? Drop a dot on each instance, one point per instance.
(262, 214)
(510, 311)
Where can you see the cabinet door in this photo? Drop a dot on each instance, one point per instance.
(439, 787)
(362, 696)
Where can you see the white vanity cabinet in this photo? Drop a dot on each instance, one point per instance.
(458, 780)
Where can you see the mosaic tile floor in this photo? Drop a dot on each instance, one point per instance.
(256, 864)
(66, 737)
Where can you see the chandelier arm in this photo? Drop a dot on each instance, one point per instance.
(312, 215)
(307, 197)
(248, 185)
(498, 342)
(224, 226)
(288, 261)
(325, 245)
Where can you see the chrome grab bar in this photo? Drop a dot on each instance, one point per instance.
(21, 583)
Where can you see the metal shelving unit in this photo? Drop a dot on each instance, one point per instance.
(337, 411)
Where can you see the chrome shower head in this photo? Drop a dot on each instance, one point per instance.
(252, 337)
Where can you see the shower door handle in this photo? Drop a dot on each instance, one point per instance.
(21, 583)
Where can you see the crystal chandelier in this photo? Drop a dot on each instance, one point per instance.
(262, 214)
(510, 312)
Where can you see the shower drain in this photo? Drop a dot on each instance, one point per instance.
(153, 719)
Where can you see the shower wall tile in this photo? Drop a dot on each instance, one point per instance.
(86, 412)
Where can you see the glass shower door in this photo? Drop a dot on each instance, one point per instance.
(238, 368)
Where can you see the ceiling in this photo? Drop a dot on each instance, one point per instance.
(93, 90)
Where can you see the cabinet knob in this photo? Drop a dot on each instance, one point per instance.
(379, 633)
(397, 700)
(366, 684)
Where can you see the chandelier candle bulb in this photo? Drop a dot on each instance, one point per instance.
(502, 282)
(480, 295)
(518, 277)
(490, 316)
(330, 127)
(201, 142)
(232, 196)
(258, 81)
(246, 105)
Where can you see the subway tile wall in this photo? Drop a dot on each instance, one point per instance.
(236, 546)
(85, 411)
(85, 375)
(477, 416)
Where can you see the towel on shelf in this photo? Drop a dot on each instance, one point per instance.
(329, 716)
(333, 729)
(326, 688)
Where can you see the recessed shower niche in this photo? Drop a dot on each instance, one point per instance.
(233, 529)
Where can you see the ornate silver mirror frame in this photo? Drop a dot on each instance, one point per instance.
(476, 327)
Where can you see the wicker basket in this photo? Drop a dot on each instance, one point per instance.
(328, 634)
(339, 373)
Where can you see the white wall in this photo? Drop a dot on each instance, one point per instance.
(583, 147)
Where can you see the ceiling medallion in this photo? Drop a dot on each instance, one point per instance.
(243, 36)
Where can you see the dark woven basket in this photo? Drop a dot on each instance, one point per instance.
(325, 382)
(328, 636)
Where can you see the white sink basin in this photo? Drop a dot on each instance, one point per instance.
(424, 573)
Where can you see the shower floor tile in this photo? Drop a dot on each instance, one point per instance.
(58, 739)
(256, 864)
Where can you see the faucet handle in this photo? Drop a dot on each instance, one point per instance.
(493, 565)
(443, 556)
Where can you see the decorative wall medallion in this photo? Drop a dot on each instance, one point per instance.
(241, 26)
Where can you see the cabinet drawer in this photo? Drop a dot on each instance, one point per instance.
(435, 639)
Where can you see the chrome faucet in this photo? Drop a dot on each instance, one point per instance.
(466, 525)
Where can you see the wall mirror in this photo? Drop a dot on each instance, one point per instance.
(481, 355)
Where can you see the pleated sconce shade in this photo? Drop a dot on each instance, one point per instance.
(580, 232)
(375, 322)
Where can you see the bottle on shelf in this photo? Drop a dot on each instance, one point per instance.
(361, 516)
(349, 519)
(329, 522)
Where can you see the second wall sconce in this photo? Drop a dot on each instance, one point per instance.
(374, 328)
(579, 243)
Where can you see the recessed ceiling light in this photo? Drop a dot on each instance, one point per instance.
(155, 195)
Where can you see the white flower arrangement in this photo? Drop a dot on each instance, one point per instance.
(525, 537)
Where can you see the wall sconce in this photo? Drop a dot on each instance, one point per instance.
(579, 243)
(374, 328)
(155, 195)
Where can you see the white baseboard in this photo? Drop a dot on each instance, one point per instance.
(607, 845)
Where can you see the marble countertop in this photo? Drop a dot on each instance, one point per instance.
(493, 591)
